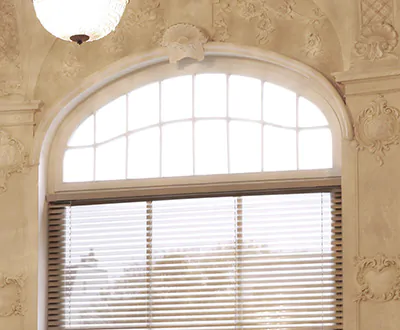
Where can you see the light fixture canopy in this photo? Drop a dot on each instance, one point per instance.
(79, 20)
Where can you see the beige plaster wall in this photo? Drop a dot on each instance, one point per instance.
(352, 43)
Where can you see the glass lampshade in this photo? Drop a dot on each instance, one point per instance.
(79, 20)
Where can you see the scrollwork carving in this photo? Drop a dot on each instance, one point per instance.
(378, 278)
(16, 306)
(376, 41)
(378, 37)
(378, 128)
(184, 40)
(13, 158)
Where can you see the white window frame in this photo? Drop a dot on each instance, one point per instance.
(287, 78)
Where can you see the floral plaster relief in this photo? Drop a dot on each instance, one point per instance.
(184, 40)
(13, 158)
(377, 128)
(12, 295)
(378, 278)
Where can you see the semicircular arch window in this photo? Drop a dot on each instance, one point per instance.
(201, 124)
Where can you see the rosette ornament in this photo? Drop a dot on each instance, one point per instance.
(79, 20)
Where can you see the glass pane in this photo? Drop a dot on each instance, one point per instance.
(84, 134)
(78, 165)
(177, 149)
(279, 149)
(244, 97)
(211, 147)
(310, 115)
(210, 95)
(111, 120)
(176, 98)
(315, 149)
(279, 105)
(111, 160)
(245, 147)
(144, 106)
(144, 154)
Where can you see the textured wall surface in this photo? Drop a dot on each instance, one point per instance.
(354, 44)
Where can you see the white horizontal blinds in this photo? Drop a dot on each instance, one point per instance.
(252, 262)
(193, 279)
(288, 265)
(98, 267)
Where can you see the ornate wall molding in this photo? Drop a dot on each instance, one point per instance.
(266, 15)
(378, 37)
(16, 306)
(376, 41)
(378, 278)
(184, 41)
(13, 158)
(377, 128)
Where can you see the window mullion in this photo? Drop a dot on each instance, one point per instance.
(149, 260)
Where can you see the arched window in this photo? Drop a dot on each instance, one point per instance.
(208, 200)
(199, 124)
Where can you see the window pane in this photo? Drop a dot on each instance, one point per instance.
(78, 165)
(279, 149)
(310, 115)
(245, 147)
(315, 149)
(211, 147)
(244, 97)
(111, 120)
(84, 134)
(111, 160)
(144, 154)
(279, 105)
(176, 98)
(177, 154)
(144, 106)
(210, 95)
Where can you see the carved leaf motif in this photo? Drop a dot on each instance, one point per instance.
(184, 40)
(15, 306)
(13, 158)
(378, 128)
(376, 41)
(378, 278)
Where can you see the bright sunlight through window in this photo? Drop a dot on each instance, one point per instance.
(199, 125)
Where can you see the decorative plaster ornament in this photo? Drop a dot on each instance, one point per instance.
(378, 278)
(378, 128)
(376, 41)
(13, 159)
(79, 20)
(14, 306)
(184, 40)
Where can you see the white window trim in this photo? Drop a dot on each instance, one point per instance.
(287, 78)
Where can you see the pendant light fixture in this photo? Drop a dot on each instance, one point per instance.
(79, 20)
